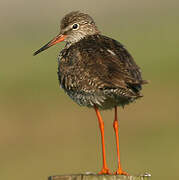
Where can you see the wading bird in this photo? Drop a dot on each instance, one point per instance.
(96, 71)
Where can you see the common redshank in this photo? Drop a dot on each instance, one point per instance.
(96, 71)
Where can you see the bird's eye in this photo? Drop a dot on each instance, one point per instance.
(75, 26)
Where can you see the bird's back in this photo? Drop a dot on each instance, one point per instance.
(99, 70)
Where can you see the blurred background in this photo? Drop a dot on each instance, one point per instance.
(43, 132)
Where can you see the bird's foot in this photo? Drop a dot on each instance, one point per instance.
(121, 172)
(105, 171)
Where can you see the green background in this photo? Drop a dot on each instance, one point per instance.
(43, 132)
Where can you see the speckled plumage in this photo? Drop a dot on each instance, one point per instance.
(97, 70)
(94, 70)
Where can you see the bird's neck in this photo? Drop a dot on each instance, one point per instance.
(78, 38)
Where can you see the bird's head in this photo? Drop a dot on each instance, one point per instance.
(74, 27)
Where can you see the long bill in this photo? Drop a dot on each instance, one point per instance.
(55, 40)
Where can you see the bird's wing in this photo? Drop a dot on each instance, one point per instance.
(112, 65)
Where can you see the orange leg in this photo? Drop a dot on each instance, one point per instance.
(105, 169)
(116, 127)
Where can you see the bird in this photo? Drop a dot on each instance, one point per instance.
(96, 71)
